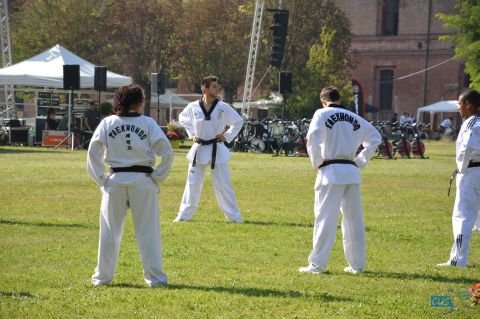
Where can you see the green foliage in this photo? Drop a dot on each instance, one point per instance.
(466, 37)
(323, 68)
(132, 36)
(214, 42)
(41, 24)
(186, 39)
(49, 211)
(106, 108)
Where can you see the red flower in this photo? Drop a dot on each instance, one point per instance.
(175, 135)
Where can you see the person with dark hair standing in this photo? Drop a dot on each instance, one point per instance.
(333, 138)
(394, 118)
(51, 123)
(205, 122)
(92, 117)
(129, 143)
(467, 199)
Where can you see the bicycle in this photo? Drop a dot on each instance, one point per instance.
(249, 138)
(418, 147)
(385, 148)
(300, 144)
(401, 143)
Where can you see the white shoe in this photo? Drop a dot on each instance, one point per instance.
(350, 270)
(311, 269)
(449, 264)
(476, 230)
(238, 221)
(445, 264)
(179, 219)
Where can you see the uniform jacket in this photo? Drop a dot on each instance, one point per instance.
(468, 150)
(193, 120)
(336, 133)
(123, 141)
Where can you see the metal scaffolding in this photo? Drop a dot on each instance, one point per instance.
(252, 56)
(7, 109)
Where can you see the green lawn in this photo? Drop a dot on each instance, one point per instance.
(49, 233)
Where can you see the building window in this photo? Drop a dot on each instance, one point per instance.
(386, 89)
(389, 24)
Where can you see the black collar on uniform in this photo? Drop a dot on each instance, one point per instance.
(131, 114)
(207, 114)
(337, 105)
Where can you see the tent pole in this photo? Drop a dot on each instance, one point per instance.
(71, 111)
(98, 97)
(171, 108)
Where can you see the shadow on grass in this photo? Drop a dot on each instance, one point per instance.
(126, 285)
(249, 292)
(410, 276)
(260, 292)
(15, 294)
(42, 224)
(252, 222)
(19, 150)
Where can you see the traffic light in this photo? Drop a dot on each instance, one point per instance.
(279, 32)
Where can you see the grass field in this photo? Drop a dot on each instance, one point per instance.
(49, 234)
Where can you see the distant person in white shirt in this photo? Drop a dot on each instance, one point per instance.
(403, 118)
(411, 119)
(446, 123)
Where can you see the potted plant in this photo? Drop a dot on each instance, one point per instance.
(175, 134)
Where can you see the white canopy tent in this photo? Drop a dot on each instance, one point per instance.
(438, 107)
(274, 100)
(46, 70)
(171, 101)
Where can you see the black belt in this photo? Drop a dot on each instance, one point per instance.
(474, 164)
(337, 161)
(213, 141)
(134, 168)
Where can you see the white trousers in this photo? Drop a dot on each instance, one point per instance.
(221, 185)
(477, 222)
(465, 213)
(329, 201)
(142, 196)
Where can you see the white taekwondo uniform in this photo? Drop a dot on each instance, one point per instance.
(467, 198)
(476, 226)
(336, 134)
(123, 142)
(206, 126)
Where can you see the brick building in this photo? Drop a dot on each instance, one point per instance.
(393, 42)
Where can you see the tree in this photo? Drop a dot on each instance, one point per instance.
(317, 53)
(466, 37)
(323, 68)
(131, 36)
(138, 36)
(212, 37)
(40, 24)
